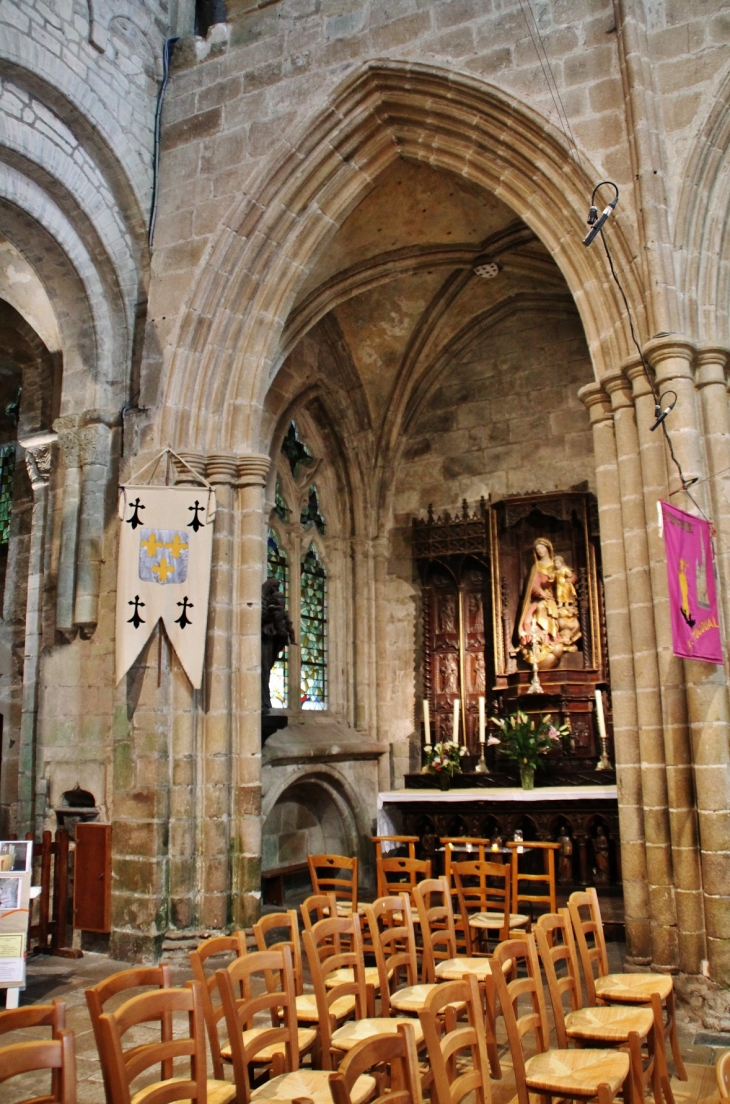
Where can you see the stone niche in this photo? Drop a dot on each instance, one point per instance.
(320, 787)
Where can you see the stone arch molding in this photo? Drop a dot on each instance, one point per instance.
(230, 335)
(702, 236)
(338, 789)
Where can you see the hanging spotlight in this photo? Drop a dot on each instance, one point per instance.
(596, 221)
(486, 268)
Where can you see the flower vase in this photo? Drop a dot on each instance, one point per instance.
(527, 778)
(444, 780)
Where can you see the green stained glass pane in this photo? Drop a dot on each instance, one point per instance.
(280, 507)
(311, 514)
(7, 471)
(296, 452)
(277, 567)
(313, 632)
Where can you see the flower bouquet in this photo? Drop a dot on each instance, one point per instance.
(526, 740)
(444, 760)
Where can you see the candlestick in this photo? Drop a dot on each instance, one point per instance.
(604, 763)
(455, 726)
(426, 724)
(481, 767)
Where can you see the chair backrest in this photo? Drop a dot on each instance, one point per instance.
(285, 925)
(212, 1007)
(324, 962)
(274, 1001)
(436, 918)
(124, 1065)
(527, 982)
(37, 1015)
(400, 875)
(57, 1055)
(547, 877)
(399, 842)
(334, 874)
(477, 892)
(585, 916)
(463, 849)
(318, 906)
(390, 922)
(140, 977)
(452, 1082)
(722, 1070)
(395, 1052)
(555, 943)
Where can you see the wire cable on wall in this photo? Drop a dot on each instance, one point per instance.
(166, 57)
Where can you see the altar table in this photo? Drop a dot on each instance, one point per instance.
(547, 811)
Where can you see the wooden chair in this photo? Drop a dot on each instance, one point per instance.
(140, 977)
(547, 878)
(390, 921)
(722, 1071)
(282, 1044)
(476, 848)
(397, 1053)
(212, 1008)
(399, 841)
(38, 1015)
(446, 1042)
(323, 966)
(335, 874)
(614, 1026)
(576, 1074)
(440, 960)
(401, 875)
(484, 906)
(57, 1055)
(321, 906)
(124, 1066)
(286, 923)
(605, 988)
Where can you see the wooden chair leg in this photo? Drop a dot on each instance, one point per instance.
(490, 1020)
(671, 1012)
(660, 1053)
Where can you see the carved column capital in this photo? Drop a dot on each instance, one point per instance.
(227, 469)
(618, 387)
(671, 356)
(711, 365)
(38, 451)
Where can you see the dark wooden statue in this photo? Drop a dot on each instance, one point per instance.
(276, 632)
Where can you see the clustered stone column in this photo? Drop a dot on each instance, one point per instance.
(671, 715)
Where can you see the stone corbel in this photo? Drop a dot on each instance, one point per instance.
(38, 452)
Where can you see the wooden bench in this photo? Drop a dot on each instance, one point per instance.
(272, 882)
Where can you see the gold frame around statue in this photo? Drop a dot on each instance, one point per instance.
(566, 520)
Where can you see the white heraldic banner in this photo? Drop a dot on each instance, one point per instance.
(165, 553)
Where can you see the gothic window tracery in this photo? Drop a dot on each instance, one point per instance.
(297, 556)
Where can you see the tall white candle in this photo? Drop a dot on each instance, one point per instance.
(599, 715)
(426, 724)
(455, 730)
(482, 733)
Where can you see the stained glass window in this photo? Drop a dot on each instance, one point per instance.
(7, 470)
(313, 631)
(296, 452)
(280, 507)
(278, 568)
(310, 513)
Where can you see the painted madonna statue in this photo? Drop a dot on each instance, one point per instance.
(548, 624)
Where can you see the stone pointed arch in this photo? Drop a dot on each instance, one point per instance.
(702, 237)
(230, 335)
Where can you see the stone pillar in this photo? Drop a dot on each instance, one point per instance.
(66, 577)
(707, 701)
(646, 675)
(94, 442)
(623, 686)
(250, 551)
(38, 459)
(711, 366)
(382, 661)
(677, 750)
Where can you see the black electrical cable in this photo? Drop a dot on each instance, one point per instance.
(166, 56)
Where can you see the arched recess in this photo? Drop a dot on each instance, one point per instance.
(231, 332)
(702, 236)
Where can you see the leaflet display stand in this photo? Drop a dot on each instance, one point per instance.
(16, 858)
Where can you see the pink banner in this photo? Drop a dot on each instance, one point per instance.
(692, 591)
